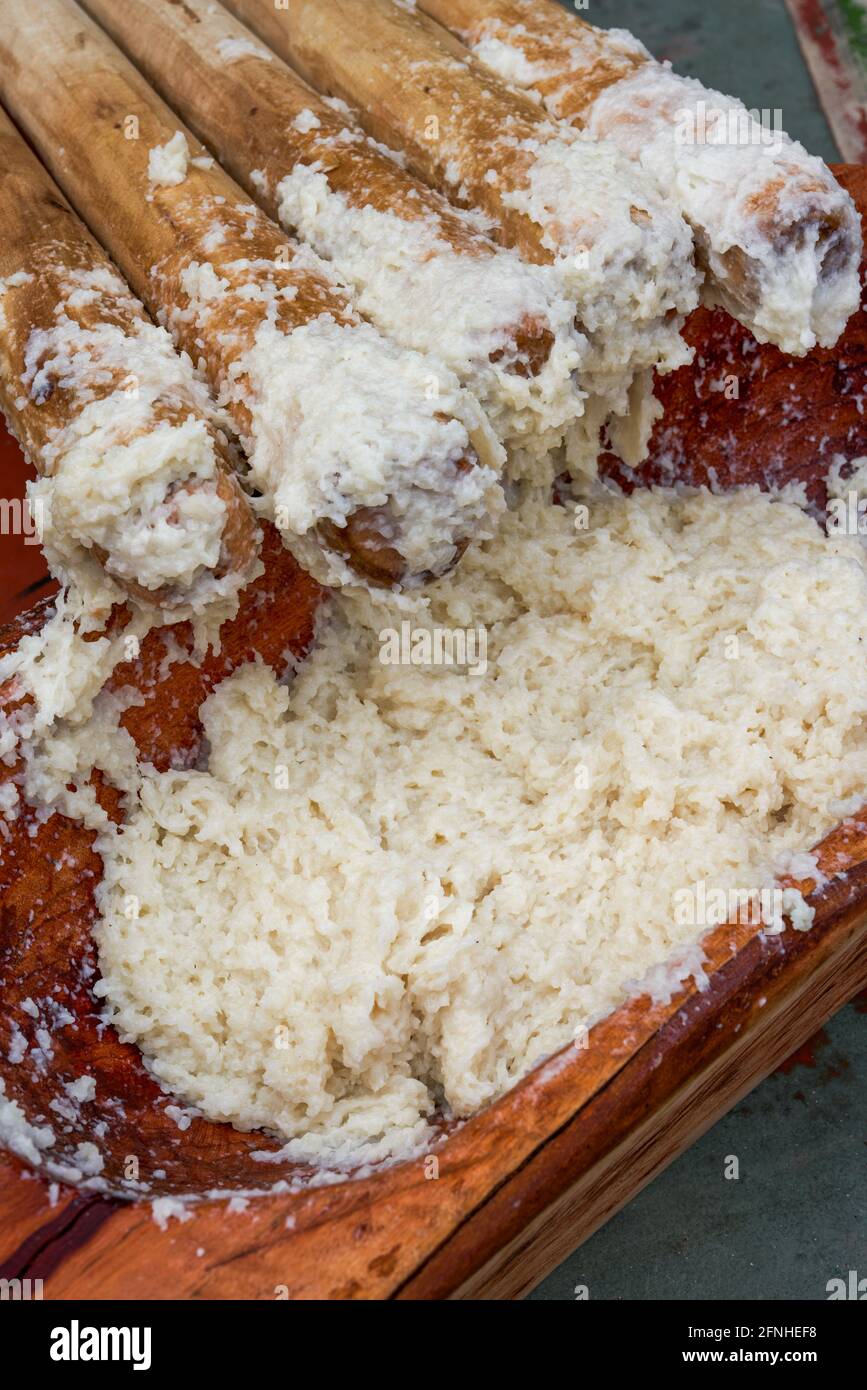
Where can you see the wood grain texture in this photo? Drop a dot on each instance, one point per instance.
(95, 122)
(449, 118)
(179, 49)
(554, 40)
(526, 1180)
(45, 245)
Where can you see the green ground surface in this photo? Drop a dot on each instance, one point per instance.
(746, 48)
(795, 1217)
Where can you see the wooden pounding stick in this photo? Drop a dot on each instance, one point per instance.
(72, 339)
(412, 92)
(624, 257)
(761, 215)
(406, 251)
(221, 275)
(567, 61)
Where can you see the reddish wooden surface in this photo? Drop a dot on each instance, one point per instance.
(534, 1172)
(790, 417)
(48, 872)
(525, 1180)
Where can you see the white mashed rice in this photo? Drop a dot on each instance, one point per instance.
(397, 887)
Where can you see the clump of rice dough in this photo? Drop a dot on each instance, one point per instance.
(397, 886)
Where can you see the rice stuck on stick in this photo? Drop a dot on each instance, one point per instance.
(420, 269)
(778, 237)
(623, 256)
(372, 460)
(135, 476)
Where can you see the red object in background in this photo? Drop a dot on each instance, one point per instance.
(23, 571)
